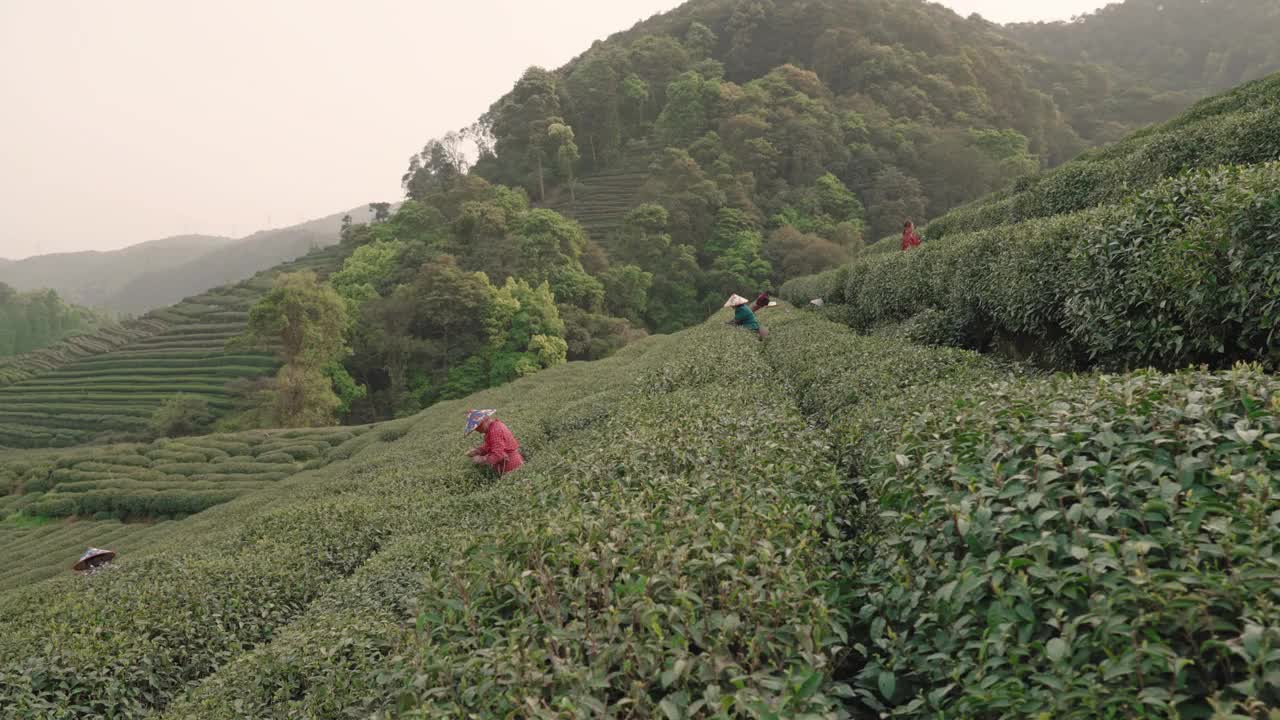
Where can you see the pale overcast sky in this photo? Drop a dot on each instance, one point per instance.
(131, 120)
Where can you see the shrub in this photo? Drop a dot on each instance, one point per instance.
(1190, 275)
(1186, 272)
(1073, 546)
(181, 415)
(1094, 540)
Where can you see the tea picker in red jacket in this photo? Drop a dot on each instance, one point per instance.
(909, 237)
(764, 300)
(500, 449)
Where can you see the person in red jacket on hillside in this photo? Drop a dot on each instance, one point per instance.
(909, 237)
(500, 450)
(762, 301)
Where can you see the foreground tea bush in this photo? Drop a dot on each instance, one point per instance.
(1067, 547)
(668, 551)
(672, 548)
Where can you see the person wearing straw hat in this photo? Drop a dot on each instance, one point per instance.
(500, 449)
(742, 316)
(92, 559)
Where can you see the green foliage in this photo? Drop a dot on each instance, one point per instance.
(736, 246)
(686, 115)
(181, 415)
(1075, 547)
(1237, 128)
(307, 322)
(550, 350)
(345, 388)
(627, 291)
(1182, 273)
(590, 336)
(1118, 260)
(1177, 47)
(1191, 272)
(30, 321)
(366, 272)
(691, 540)
(303, 319)
(793, 254)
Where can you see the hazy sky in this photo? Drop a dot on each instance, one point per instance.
(123, 121)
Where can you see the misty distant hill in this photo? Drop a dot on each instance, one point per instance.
(162, 272)
(228, 263)
(88, 278)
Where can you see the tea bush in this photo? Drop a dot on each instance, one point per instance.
(823, 524)
(1157, 251)
(1067, 547)
(1186, 272)
(687, 534)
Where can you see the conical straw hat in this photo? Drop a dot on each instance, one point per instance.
(735, 301)
(91, 554)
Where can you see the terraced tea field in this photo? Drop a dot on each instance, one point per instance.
(802, 532)
(106, 386)
(602, 200)
(55, 503)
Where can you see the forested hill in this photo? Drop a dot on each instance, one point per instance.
(229, 263)
(1191, 47)
(912, 107)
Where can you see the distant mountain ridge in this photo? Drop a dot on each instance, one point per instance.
(89, 277)
(229, 263)
(158, 273)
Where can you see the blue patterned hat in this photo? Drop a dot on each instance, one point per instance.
(475, 417)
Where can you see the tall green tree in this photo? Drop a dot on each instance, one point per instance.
(522, 120)
(596, 89)
(561, 138)
(305, 322)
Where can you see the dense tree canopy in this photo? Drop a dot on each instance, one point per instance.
(29, 321)
(726, 146)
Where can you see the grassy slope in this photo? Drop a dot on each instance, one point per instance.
(109, 383)
(684, 541)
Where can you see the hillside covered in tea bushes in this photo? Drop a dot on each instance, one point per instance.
(54, 503)
(724, 147)
(707, 525)
(109, 384)
(1160, 250)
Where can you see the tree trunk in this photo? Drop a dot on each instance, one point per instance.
(542, 188)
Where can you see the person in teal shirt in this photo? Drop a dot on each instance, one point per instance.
(743, 317)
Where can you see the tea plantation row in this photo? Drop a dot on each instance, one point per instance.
(53, 504)
(1102, 263)
(644, 495)
(1067, 547)
(822, 525)
(106, 386)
